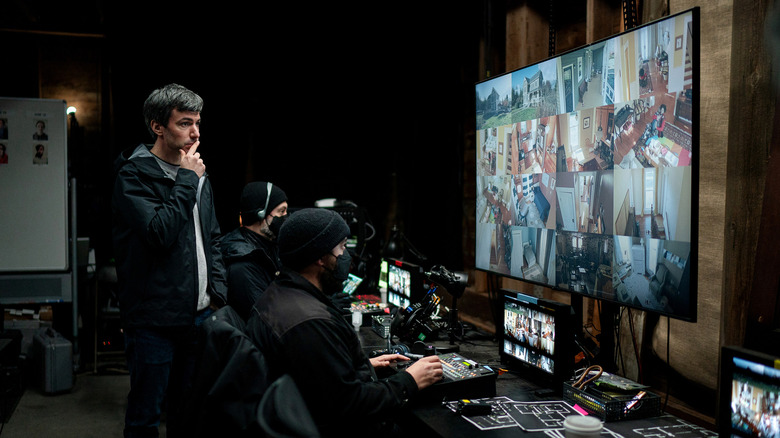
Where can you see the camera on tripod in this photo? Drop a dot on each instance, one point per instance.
(415, 322)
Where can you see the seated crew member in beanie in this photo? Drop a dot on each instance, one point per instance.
(250, 253)
(303, 334)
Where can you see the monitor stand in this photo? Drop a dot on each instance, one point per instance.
(606, 356)
(606, 349)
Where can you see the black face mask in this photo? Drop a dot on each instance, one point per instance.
(276, 224)
(332, 280)
(343, 264)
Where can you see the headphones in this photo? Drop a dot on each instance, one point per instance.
(262, 213)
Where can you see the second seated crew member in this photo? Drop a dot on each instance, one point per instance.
(250, 252)
(301, 333)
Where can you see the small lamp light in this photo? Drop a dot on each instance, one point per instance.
(71, 112)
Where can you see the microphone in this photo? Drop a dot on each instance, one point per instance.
(428, 350)
(397, 349)
(404, 350)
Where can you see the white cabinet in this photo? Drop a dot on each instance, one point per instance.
(638, 259)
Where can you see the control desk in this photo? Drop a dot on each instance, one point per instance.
(533, 410)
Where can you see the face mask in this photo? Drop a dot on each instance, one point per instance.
(276, 224)
(332, 280)
(343, 263)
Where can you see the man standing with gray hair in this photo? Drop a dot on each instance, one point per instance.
(169, 266)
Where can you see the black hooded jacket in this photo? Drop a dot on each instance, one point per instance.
(252, 263)
(154, 242)
(301, 333)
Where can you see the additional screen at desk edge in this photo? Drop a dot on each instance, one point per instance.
(587, 169)
(749, 393)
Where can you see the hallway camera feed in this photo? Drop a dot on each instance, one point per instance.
(587, 173)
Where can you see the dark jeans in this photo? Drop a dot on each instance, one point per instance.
(161, 362)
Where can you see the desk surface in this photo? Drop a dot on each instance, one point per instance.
(426, 417)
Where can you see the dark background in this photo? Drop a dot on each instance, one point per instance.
(370, 104)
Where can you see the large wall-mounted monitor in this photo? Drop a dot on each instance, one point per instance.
(587, 169)
(749, 393)
(537, 337)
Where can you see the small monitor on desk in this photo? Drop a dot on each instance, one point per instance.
(405, 282)
(537, 338)
(749, 393)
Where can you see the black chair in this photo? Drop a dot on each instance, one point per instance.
(283, 413)
(233, 394)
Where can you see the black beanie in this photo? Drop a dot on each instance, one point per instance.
(253, 200)
(309, 234)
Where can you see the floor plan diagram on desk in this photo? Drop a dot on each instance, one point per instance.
(664, 426)
(548, 416)
(529, 416)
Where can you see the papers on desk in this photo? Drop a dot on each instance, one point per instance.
(537, 416)
(547, 417)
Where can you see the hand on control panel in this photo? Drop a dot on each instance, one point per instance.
(386, 360)
(426, 371)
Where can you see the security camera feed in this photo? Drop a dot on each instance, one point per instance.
(587, 173)
(529, 335)
(755, 399)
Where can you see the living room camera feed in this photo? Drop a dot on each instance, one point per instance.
(585, 157)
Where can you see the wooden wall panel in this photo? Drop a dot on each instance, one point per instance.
(604, 19)
(527, 36)
(694, 348)
(750, 135)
